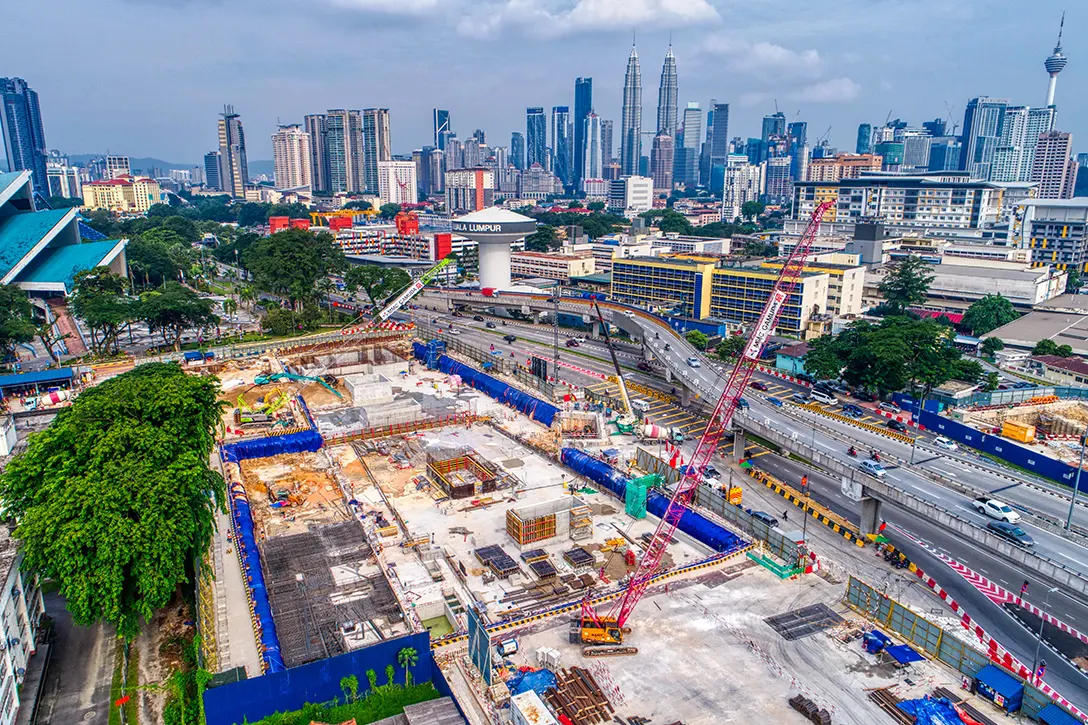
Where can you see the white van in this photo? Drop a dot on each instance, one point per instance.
(640, 406)
(821, 397)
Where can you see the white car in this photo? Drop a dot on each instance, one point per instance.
(996, 509)
(890, 408)
(873, 468)
(945, 443)
(694, 362)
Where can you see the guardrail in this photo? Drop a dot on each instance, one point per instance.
(1071, 580)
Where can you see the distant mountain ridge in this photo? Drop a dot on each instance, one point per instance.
(144, 164)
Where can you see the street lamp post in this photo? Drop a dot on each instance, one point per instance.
(1039, 641)
(1076, 482)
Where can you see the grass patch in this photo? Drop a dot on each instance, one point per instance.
(381, 702)
(132, 673)
(763, 442)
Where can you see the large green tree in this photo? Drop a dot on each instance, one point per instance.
(175, 309)
(290, 262)
(697, 339)
(100, 301)
(906, 284)
(988, 313)
(731, 347)
(991, 345)
(544, 239)
(115, 498)
(377, 282)
(16, 319)
(752, 209)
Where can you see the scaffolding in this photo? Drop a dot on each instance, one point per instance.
(635, 497)
(327, 592)
(569, 516)
(463, 473)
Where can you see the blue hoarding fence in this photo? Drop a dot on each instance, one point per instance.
(319, 682)
(1038, 463)
(245, 539)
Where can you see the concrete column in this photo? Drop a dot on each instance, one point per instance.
(685, 396)
(739, 443)
(494, 264)
(870, 515)
(668, 374)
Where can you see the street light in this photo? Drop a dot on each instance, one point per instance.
(1076, 482)
(1039, 641)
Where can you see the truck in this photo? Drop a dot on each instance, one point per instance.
(654, 432)
(996, 509)
(489, 292)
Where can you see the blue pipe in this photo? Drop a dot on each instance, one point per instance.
(246, 541)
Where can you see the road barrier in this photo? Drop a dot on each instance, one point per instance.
(825, 516)
(878, 430)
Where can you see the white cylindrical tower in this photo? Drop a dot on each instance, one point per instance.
(494, 230)
(1054, 64)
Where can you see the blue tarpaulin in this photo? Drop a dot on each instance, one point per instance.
(931, 711)
(875, 641)
(996, 684)
(538, 682)
(307, 441)
(246, 541)
(904, 654)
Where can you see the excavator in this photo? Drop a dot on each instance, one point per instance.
(291, 377)
(625, 423)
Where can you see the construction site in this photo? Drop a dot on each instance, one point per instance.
(1050, 425)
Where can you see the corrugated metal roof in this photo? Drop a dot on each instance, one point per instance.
(1052, 714)
(1001, 681)
(8, 177)
(40, 376)
(63, 263)
(20, 232)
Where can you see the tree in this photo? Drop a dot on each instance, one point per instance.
(290, 262)
(751, 209)
(388, 211)
(907, 284)
(279, 322)
(154, 256)
(1073, 281)
(672, 221)
(595, 206)
(350, 687)
(544, 239)
(697, 339)
(575, 205)
(731, 347)
(1045, 347)
(969, 371)
(992, 382)
(406, 658)
(992, 345)
(174, 310)
(1064, 351)
(115, 499)
(823, 359)
(50, 335)
(250, 214)
(759, 248)
(248, 295)
(377, 282)
(16, 319)
(230, 306)
(988, 313)
(100, 301)
(326, 287)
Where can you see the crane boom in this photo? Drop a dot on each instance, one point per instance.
(615, 360)
(411, 291)
(716, 426)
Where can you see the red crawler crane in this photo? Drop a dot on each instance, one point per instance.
(610, 629)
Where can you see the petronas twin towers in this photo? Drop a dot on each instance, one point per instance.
(631, 121)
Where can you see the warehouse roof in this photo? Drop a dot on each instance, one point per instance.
(40, 377)
(20, 234)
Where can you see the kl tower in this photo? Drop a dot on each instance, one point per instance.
(494, 230)
(1054, 65)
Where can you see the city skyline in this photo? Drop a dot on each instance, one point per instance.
(833, 81)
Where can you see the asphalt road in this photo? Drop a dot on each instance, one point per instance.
(77, 686)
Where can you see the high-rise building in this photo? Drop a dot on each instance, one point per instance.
(291, 157)
(480, 136)
(441, 127)
(864, 143)
(517, 149)
(429, 170)
(718, 140)
(469, 189)
(233, 169)
(778, 184)
(916, 144)
(376, 145)
(844, 166)
(666, 98)
(631, 122)
(1054, 169)
(774, 124)
(24, 135)
(983, 122)
(661, 161)
(317, 126)
(397, 182)
(936, 127)
(742, 182)
(593, 132)
(345, 151)
(1054, 64)
(583, 105)
(798, 136)
(606, 143)
(561, 143)
(211, 171)
(455, 152)
(686, 163)
(117, 166)
(1020, 131)
(62, 179)
(944, 153)
(536, 136)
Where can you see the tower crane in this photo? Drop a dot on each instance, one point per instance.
(610, 629)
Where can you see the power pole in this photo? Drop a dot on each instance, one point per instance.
(555, 330)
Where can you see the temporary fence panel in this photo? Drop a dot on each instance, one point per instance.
(535, 408)
(318, 682)
(1004, 449)
(693, 524)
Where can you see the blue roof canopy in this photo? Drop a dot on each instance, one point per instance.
(58, 375)
(1053, 714)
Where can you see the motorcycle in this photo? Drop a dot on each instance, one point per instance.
(875, 456)
(853, 452)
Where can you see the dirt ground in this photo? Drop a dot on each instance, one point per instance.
(314, 496)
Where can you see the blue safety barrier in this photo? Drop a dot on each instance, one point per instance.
(246, 542)
(693, 524)
(307, 441)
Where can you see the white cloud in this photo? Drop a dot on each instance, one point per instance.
(561, 18)
(833, 90)
(391, 7)
(763, 59)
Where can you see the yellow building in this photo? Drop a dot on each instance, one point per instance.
(846, 283)
(125, 194)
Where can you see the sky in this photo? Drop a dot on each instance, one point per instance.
(148, 77)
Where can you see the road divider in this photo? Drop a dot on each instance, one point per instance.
(824, 515)
(878, 430)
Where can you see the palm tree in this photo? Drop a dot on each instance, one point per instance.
(248, 295)
(406, 658)
(326, 287)
(230, 307)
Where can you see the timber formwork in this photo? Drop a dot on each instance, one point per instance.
(462, 475)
